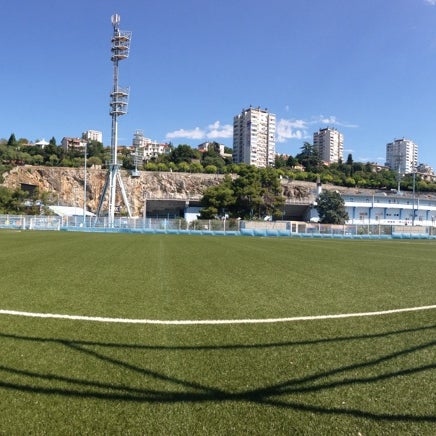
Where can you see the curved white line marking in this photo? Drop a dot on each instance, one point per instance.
(210, 321)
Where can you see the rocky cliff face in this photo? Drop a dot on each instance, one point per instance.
(67, 185)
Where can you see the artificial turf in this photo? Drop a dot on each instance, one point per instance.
(343, 376)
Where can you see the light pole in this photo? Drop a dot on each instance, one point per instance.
(413, 190)
(84, 187)
(118, 104)
(145, 209)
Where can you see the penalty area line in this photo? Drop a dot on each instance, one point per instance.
(211, 321)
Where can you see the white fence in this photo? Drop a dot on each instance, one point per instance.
(228, 226)
(29, 222)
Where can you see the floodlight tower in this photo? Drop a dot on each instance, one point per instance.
(118, 103)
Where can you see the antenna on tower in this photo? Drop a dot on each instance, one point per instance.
(115, 20)
(118, 104)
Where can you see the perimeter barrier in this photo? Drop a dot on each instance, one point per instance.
(228, 227)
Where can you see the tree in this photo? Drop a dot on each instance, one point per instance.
(94, 160)
(183, 153)
(309, 157)
(212, 157)
(291, 162)
(12, 141)
(53, 159)
(196, 167)
(150, 166)
(95, 148)
(128, 162)
(210, 169)
(38, 159)
(162, 167)
(217, 199)
(18, 202)
(52, 150)
(183, 167)
(279, 161)
(255, 193)
(331, 208)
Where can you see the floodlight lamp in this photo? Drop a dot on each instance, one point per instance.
(115, 19)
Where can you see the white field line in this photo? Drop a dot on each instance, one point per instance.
(210, 321)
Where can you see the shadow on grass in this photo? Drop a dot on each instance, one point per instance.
(179, 390)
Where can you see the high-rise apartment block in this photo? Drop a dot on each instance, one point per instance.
(329, 143)
(402, 156)
(254, 137)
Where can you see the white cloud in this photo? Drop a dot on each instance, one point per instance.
(430, 2)
(216, 131)
(213, 131)
(333, 121)
(328, 120)
(196, 133)
(286, 129)
(215, 125)
(291, 129)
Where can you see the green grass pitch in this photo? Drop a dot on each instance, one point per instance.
(367, 375)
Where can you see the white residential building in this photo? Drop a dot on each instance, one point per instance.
(204, 146)
(146, 148)
(329, 143)
(93, 135)
(402, 156)
(254, 137)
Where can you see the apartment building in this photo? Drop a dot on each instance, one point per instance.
(254, 137)
(205, 146)
(402, 156)
(146, 148)
(329, 143)
(68, 143)
(93, 135)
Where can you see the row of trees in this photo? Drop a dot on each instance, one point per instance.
(257, 194)
(254, 194)
(306, 165)
(18, 202)
(19, 152)
(183, 158)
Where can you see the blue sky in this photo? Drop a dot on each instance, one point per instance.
(366, 67)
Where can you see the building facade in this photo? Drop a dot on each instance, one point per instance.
(146, 149)
(402, 156)
(386, 208)
(73, 143)
(205, 146)
(329, 144)
(391, 209)
(93, 135)
(254, 137)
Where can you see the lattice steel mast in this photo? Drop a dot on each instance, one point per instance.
(119, 99)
